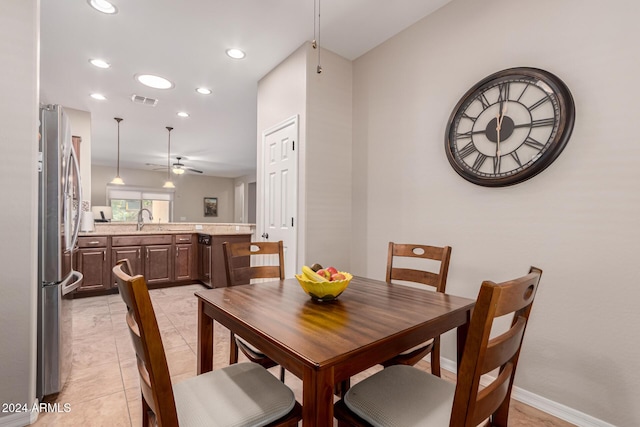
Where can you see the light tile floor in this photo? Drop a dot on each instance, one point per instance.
(103, 389)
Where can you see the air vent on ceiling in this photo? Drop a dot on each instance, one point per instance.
(137, 99)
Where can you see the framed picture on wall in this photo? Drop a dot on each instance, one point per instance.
(210, 206)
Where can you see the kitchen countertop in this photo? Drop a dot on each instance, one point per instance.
(122, 229)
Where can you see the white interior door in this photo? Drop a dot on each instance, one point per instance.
(280, 166)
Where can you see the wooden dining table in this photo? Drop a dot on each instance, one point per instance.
(325, 343)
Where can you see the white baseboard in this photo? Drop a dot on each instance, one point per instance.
(19, 419)
(542, 403)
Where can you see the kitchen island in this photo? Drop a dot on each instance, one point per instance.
(166, 254)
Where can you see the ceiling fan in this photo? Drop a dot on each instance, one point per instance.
(177, 168)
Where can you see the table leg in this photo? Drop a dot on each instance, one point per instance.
(461, 335)
(317, 397)
(205, 341)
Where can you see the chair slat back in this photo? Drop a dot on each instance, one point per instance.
(436, 279)
(235, 252)
(155, 381)
(483, 354)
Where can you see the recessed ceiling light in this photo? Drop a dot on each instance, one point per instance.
(155, 82)
(183, 114)
(235, 53)
(98, 96)
(203, 91)
(103, 6)
(100, 63)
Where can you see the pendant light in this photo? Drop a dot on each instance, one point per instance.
(117, 180)
(169, 183)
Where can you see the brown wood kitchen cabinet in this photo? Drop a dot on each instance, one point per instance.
(93, 262)
(184, 259)
(149, 255)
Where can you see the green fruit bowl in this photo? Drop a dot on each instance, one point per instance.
(324, 291)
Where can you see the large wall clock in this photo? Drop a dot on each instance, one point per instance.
(509, 127)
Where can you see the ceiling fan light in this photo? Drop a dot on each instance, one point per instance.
(168, 184)
(178, 170)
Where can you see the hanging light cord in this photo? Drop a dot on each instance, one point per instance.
(118, 119)
(169, 128)
(319, 68)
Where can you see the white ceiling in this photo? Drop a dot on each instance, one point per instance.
(185, 41)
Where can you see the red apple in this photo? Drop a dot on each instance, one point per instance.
(324, 273)
(332, 270)
(337, 276)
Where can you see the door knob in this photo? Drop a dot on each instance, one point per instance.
(265, 235)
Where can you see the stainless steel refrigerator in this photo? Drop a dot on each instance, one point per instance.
(60, 199)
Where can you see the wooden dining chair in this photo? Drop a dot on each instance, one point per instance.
(244, 394)
(238, 273)
(436, 280)
(406, 396)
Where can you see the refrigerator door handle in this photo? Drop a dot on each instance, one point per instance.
(72, 285)
(76, 183)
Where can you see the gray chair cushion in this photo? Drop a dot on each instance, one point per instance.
(242, 394)
(402, 396)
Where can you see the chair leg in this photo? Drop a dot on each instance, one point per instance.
(146, 409)
(342, 387)
(435, 358)
(281, 374)
(233, 349)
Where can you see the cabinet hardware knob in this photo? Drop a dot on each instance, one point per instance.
(94, 242)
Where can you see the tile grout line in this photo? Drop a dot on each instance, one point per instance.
(126, 400)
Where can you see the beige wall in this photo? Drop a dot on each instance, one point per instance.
(242, 203)
(323, 105)
(81, 126)
(578, 220)
(282, 95)
(19, 34)
(189, 193)
(328, 160)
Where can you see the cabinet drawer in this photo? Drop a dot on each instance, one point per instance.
(164, 239)
(183, 238)
(92, 242)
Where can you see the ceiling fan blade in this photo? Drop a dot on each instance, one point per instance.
(193, 170)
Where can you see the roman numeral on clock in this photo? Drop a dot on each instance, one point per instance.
(543, 122)
(539, 103)
(479, 161)
(533, 143)
(504, 92)
(484, 101)
(467, 150)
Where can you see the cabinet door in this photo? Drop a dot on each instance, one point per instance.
(92, 263)
(158, 264)
(204, 264)
(133, 254)
(183, 262)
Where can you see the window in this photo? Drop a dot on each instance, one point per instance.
(126, 203)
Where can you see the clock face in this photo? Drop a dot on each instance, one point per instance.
(509, 127)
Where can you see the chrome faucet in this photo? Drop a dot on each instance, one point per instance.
(140, 220)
